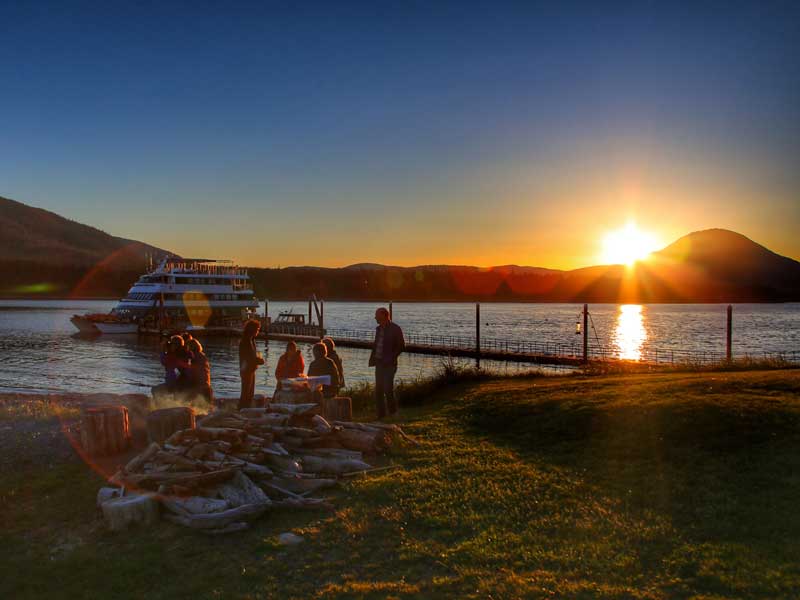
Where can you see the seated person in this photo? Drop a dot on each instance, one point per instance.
(323, 365)
(334, 356)
(176, 363)
(200, 372)
(290, 364)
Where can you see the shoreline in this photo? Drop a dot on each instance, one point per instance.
(429, 301)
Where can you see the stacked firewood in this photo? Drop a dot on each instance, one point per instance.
(234, 466)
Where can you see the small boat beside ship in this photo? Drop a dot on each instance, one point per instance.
(180, 294)
(289, 323)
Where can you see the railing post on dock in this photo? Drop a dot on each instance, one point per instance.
(321, 318)
(585, 333)
(728, 348)
(478, 335)
(390, 311)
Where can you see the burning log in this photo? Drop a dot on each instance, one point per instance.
(105, 430)
(161, 424)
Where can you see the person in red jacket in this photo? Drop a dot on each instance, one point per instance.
(290, 363)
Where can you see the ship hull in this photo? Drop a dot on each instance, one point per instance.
(88, 326)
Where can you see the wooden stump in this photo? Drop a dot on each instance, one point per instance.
(164, 422)
(105, 430)
(339, 408)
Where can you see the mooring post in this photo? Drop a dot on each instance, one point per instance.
(321, 318)
(309, 311)
(478, 335)
(728, 348)
(390, 310)
(585, 333)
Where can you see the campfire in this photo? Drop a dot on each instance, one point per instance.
(220, 472)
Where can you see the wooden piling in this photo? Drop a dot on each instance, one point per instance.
(729, 337)
(390, 310)
(585, 333)
(321, 318)
(478, 335)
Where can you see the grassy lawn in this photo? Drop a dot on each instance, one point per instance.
(681, 485)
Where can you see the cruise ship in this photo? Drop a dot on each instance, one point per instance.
(180, 294)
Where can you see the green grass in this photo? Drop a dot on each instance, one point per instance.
(639, 486)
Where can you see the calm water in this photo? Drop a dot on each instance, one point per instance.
(40, 353)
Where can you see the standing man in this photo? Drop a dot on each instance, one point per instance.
(389, 343)
(249, 361)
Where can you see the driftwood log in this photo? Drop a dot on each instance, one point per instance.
(335, 466)
(293, 397)
(368, 442)
(161, 424)
(240, 490)
(219, 520)
(105, 430)
(120, 513)
(339, 408)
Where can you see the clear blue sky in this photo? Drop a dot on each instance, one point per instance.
(404, 132)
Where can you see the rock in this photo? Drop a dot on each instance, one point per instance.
(289, 539)
(107, 493)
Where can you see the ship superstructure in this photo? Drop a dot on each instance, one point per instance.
(180, 294)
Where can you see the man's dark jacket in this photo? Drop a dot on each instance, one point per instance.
(393, 345)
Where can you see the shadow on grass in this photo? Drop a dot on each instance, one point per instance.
(720, 461)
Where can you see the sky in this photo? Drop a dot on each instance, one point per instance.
(404, 133)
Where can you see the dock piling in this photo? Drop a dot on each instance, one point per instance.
(478, 335)
(729, 336)
(585, 333)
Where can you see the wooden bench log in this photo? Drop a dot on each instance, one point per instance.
(161, 424)
(105, 430)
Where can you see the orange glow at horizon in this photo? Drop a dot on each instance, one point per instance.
(628, 244)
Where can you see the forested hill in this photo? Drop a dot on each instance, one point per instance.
(44, 254)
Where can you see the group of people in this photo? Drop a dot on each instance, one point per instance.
(188, 370)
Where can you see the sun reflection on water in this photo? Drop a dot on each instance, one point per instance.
(630, 333)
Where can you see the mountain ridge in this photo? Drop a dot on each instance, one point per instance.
(44, 254)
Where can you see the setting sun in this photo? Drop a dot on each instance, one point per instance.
(627, 245)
